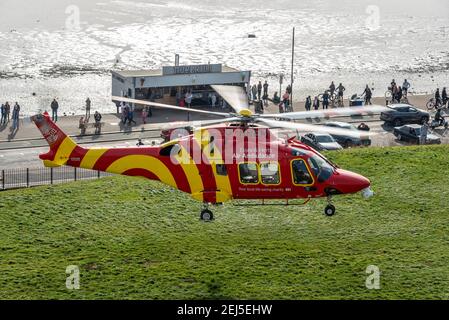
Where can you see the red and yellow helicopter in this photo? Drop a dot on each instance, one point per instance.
(236, 157)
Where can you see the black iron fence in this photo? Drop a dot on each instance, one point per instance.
(30, 177)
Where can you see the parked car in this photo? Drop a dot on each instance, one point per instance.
(412, 133)
(348, 141)
(401, 114)
(320, 141)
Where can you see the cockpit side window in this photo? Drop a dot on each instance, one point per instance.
(301, 173)
(323, 170)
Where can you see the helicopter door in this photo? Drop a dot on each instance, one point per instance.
(301, 175)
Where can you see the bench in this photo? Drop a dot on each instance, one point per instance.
(89, 125)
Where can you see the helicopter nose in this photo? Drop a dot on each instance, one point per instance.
(349, 182)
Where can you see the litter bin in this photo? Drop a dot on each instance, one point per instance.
(356, 101)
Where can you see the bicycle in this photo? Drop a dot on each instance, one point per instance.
(434, 104)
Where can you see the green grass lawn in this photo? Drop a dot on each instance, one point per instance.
(136, 239)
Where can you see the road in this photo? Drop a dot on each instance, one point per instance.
(25, 154)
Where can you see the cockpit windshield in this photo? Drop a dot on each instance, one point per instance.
(322, 169)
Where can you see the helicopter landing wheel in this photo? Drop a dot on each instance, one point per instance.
(329, 210)
(206, 215)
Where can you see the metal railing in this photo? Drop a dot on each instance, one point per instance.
(31, 177)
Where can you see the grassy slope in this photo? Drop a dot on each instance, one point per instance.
(138, 239)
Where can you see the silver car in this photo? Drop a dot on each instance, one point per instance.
(322, 141)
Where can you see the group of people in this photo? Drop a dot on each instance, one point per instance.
(441, 99)
(398, 92)
(6, 116)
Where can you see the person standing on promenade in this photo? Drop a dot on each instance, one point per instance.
(15, 116)
(308, 103)
(259, 90)
(424, 132)
(368, 95)
(97, 117)
(7, 111)
(405, 87)
(341, 89)
(286, 101)
(189, 98)
(326, 100)
(54, 110)
(213, 100)
(2, 114)
(444, 96)
(332, 88)
(265, 88)
(144, 115)
(254, 92)
(125, 111)
(88, 103)
(316, 103)
(438, 97)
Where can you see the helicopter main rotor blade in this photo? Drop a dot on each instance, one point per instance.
(304, 127)
(327, 114)
(236, 97)
(167, 106)
(196, 124)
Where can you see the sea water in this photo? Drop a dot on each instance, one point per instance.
(66, 48)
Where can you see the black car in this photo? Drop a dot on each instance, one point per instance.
(348, 141)
(412, 133)
(401, 114)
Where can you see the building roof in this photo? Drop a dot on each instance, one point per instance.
(157, 72)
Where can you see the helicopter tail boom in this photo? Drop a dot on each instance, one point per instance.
(62, 147)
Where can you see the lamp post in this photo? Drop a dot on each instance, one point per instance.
(293, 59)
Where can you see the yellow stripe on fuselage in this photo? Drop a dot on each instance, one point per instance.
(149, 163)
(64, 151)
(223, 184)
(192, 174)
(91, 158)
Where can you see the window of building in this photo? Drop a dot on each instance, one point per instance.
(249, 173)
(269, 173)
(301, 173)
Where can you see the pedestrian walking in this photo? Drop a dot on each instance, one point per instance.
(54, 110)
(125, 112)
(88, 103)
(131, 116)
(15, 116)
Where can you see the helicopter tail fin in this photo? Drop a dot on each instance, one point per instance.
(61, 145)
